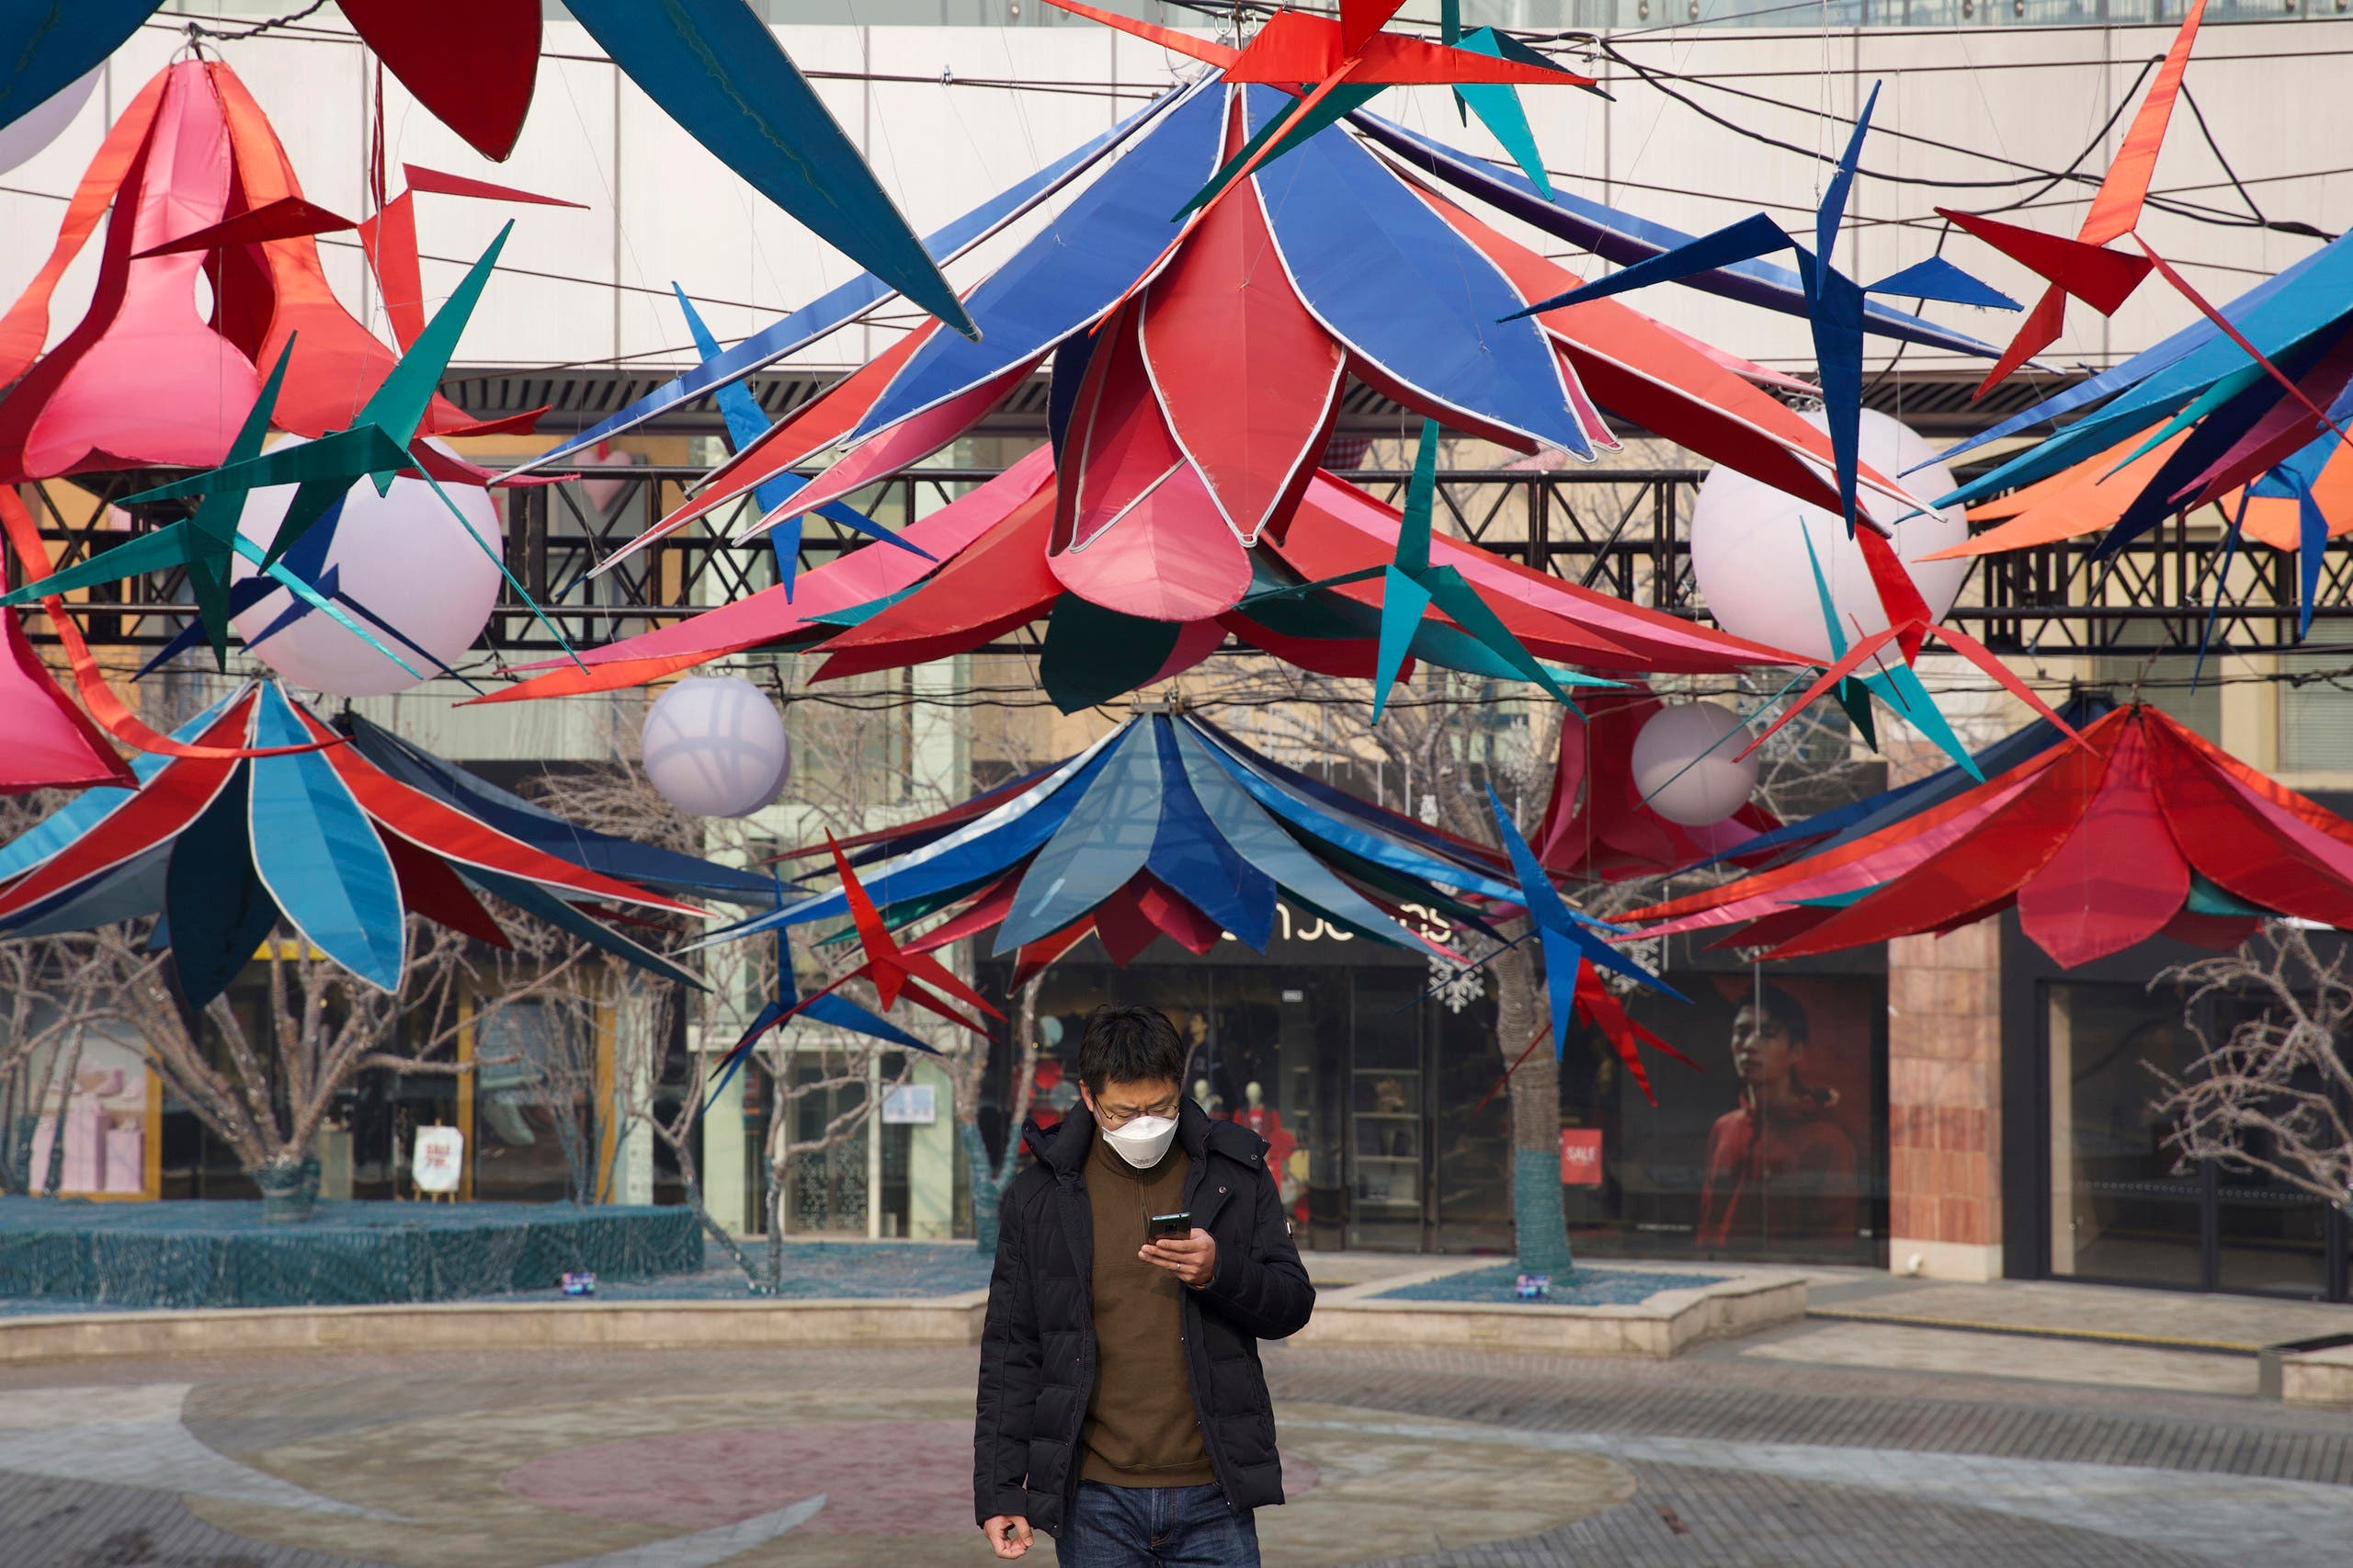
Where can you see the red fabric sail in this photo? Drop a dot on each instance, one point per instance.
(276, 292)
(475, 75)
(26, 327)
(2265, 844)
(196, 182)
(2118, 878)
(1981, 870)
(1254, 437)
(161, 810)
(1166, 552)
(2096, 843)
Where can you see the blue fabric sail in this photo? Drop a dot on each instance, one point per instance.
(1181, 825)
(838, 307)
(318, 855)
(1387, 275)
(1627, 240)
(1073, 270)
(1104, 840)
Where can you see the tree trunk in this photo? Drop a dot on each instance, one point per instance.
(1539, 1221)
(717, 1232)
(989, 1182)
(56, 1175)
(988, 1195)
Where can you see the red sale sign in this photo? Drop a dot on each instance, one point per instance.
(1581, 1156)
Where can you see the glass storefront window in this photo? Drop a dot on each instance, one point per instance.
(532, 1094)
(2122, 1205)
(1777, 1149)
(1362, 1088)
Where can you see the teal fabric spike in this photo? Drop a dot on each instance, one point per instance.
(398, 405)
(1404, 603)
(2205, 898)
(1822, 596)
(1450, 32)
(400, 399)
(157, 552)
(1900, 689)
(1411, 586)
(216, 516)
(1856, 698)
(1499, 109)
(332, 461)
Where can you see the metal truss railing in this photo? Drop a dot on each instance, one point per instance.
(1622, 531)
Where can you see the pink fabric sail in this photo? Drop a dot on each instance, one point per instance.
(51, 743)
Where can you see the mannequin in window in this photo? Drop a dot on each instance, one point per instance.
(1209, 1100)
(1266, 1122)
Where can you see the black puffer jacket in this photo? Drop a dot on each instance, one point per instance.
(1038, 1352)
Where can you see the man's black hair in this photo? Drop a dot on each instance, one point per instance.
(1129, 1045)
(1781, 1010)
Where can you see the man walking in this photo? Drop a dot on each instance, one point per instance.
(1121, 1409)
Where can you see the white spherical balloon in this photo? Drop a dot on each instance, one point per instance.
(715, 747)
(1747, 552)
(1687, 765)
(46, 121)
(398, 559)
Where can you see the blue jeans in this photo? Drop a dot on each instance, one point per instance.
(1155, 1526)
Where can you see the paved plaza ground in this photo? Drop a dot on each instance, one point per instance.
(1862, 1438)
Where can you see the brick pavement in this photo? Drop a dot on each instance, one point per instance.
(1463, 1459)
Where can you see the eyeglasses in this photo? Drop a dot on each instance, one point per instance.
(1109, 1116)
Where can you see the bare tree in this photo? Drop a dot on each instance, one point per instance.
(50, 1000)
(264, 1082)
(851, 753)
(989, 1178)
(2273, 1090)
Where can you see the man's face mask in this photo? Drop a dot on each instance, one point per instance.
(1144, 1139)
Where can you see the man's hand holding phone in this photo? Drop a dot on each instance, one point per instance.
(1177, 1244)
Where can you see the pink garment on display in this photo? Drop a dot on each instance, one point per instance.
(126, 1159)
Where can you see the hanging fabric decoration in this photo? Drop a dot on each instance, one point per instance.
(2143, 829)
(227, 841)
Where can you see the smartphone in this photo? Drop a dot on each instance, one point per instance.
(1170, 1227)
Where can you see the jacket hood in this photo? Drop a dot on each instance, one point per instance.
(1063, 1148)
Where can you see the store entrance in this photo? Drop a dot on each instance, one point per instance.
(2120, 1208)
(1376, 1097)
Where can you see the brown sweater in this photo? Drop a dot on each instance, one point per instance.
(1140, 1427)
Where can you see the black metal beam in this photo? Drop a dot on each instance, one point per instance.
(1618, 530)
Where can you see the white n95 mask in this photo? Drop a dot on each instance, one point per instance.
(1142, 1141)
